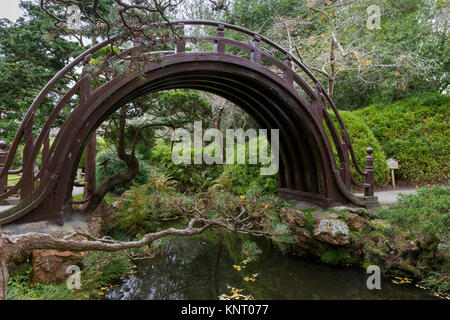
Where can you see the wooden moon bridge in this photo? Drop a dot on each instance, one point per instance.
(256, 74)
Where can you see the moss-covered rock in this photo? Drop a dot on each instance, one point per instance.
(338, 256)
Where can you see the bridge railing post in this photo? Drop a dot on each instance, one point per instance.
(288, 73)
(3, 155)
(345, 165)
(369, 174)
(90, 170)
(45, 149)
(219, 46)
(255, 55)
(317, 103)
(28, 166)
(181, 43)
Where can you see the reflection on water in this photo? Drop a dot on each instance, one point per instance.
(195, 268)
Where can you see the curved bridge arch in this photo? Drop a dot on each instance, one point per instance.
(308, 168)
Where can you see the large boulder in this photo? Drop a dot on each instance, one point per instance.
(306, 244)
(50, 266)
(293, 217)
(331, 231)
(355, 222)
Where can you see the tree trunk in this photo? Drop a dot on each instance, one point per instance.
(110, 183)
(118, 179)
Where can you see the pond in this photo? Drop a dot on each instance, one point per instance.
(197, 268)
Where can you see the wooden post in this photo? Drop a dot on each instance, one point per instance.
(181, 43)
(392, 164)
(317, 104)
(369, 174)
(346, 163)
(288, 73)
(85, 90)
(255, 55)
(28, 166)
(219, 46)
(393, 178)
(45, 149)
(3, 155)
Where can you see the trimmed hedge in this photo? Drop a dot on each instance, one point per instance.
(416, 132)
(362, 137)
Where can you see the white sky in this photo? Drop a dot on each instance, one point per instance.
(10, 9)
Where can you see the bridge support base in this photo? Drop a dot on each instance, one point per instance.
(317, 199)
(371, 202)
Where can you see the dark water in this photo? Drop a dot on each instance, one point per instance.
(195, 268)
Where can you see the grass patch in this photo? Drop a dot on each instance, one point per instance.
(310, 221)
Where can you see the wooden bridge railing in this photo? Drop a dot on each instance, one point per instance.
(41, 145)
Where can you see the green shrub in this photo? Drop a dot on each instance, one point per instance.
(362, 137)
(196, 177)
(437, 282)
(190, 177)
(415, 132)
(247, 179)
(427, 212)
(145, 209)
(114, 165)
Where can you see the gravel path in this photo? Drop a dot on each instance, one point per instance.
(390, 196)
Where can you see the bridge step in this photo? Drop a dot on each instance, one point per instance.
(5, 207)
(73, 221)
(10, 201)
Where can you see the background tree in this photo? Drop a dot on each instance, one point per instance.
(359, 65)
(32, 50)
